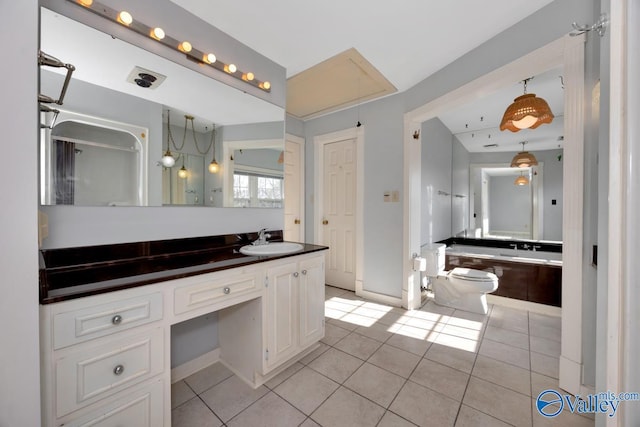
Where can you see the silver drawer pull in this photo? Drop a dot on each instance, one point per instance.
(116, 320)
(295, 274)
(304, 272)
(226, 290)
(118, 370)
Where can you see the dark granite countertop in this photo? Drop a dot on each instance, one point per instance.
(69, 273)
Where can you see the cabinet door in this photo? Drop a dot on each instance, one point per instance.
(281, 328)
(311, 293)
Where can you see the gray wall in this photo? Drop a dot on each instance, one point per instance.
(459, 188)
(437, 152)
(509, 205)
(20, 367)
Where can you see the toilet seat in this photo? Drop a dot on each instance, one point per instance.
(472, 275)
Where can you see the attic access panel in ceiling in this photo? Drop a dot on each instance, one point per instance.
(339, 82)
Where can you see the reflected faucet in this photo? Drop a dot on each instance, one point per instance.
(262, 237)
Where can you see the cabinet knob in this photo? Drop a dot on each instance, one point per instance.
(304, 272)
(226, 290)
(296, 221)
(295, 274)
(116, 320)
(118, 370)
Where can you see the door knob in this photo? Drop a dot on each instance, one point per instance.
(296, 221)
(325, 222)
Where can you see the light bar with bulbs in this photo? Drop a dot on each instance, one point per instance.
(125, 19)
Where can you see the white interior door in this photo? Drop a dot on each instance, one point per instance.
(339, 206)
(293, 189)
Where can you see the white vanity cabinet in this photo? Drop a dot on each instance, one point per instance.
(105, 359)
(294, 309)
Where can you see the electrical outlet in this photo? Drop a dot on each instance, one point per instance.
(386, 196)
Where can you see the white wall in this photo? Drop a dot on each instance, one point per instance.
(460, 201)
(437, 150)
(19, 332)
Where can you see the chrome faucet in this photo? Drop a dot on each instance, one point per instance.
(262, 237)
(513, 246)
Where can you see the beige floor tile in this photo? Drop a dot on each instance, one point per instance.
(413, 345)
(543, 331)
(457, 342)
(333, 334)
(563, 419)
(469, 417)
(545, 365)
(444, 312)
(545, 346)
(358, 345)
(231, 396)
(440, 378)
(322, 347)
(508, 318)
(306, 389)
(424, 407)
(331, 291)
(499, 402)
(394, 317)
(377, 331)
(505, 353)
(346, 408)
(540, 383)
(392, 420)
(428, 315)
(544, 320)
(375, 384)
(468, 320)
(504, 374)
(507, 336)
(393, 359)
(336, 365)
(423, 324)
(270, 411)
(456, 358)
(180, 393)
(208, 377)
(310, 423)
(349, 321)
(194, 413)
(332, 313)
(282, 376)
(462, 332)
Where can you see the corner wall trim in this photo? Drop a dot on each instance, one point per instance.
(181, 372)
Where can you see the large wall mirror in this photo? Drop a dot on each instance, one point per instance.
(470, 190)
(105, 146)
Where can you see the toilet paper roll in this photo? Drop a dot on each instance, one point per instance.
(419, 264)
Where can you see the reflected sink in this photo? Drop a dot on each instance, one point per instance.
(273, 248)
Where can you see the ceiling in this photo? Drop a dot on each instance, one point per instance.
(405, 41)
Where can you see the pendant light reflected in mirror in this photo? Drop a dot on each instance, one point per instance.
(521, 180)
(168, 160)
(524, 159)
(213, 166)
(526, 112)
(183, 173)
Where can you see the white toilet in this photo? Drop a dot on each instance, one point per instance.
(462, 288)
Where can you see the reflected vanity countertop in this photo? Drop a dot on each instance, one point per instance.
(69, 273)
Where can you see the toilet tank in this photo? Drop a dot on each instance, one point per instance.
(434, 254)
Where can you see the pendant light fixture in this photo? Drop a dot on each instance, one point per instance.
(167, 158)
(521, 180)
(527, 112)
(213, 166)
(524, 159)
(183, 173)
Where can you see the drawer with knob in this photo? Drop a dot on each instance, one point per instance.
(214, 290)
(79, 325)
(94, 372)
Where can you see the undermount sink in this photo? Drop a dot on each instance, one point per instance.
(273, 248)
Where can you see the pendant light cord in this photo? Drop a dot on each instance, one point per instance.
(195, 140)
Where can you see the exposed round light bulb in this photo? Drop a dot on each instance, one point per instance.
(125, 18)
(157, 33)
(182, 173)
(265, 85)
(168, 160)
(209, 58)
(185, 47)
(248, 76)
(231, 68)
(214, 167)
(86, 3)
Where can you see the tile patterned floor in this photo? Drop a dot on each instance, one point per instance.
(384, 366)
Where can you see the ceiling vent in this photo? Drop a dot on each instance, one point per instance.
(145, 78)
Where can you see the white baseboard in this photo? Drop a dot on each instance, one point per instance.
(549, 310)
(191, 367)
(375, 297)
